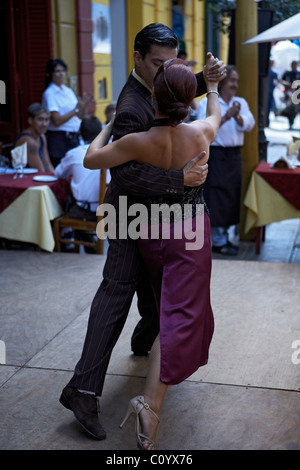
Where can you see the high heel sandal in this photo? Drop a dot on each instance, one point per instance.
(136, 405)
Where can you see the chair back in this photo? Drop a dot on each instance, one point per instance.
(81, 225)
(5, 150)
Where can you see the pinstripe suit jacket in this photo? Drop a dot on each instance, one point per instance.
(135, 113)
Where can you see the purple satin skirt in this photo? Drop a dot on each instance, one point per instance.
(181, 283)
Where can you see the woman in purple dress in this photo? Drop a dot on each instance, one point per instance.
(178, 256)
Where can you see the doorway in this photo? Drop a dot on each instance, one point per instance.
(26, 36)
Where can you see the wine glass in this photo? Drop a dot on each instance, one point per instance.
(23, 163)
(19, 160)
(16, 166)
(293, 160)
(21, 169)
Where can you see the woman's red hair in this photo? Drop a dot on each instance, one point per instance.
(175, 87)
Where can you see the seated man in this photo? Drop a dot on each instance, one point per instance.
(110, 111)
(34, 135)
(84, 183)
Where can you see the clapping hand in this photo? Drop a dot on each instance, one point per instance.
(234, 110)
(82, 105)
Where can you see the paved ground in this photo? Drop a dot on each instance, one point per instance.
(246, 398)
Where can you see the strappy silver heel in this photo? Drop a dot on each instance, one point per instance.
(136, 405)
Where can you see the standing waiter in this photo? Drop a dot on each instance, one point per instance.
(222, 189)
(66, 111)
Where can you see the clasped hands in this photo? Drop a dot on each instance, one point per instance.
(234, 110)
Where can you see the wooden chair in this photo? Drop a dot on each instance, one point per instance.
(83, 225)
(5, 149)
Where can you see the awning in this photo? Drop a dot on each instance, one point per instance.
(287, 29)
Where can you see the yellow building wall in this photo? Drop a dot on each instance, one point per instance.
(64, 37)
(194, 37)
(65, 48)
(143, 12)
(102, 77)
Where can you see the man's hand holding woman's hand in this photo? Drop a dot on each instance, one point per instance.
(214, 70)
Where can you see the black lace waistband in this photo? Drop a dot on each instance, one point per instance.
(189, 205)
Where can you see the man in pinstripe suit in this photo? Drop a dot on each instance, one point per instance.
(123, 274)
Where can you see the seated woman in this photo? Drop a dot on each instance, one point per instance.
(34, 135)
(180, 275)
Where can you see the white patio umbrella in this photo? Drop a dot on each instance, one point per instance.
(283, 53)
(287, 29)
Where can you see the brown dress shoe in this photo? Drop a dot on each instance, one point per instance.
(85, 409)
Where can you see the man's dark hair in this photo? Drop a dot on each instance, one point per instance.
(35, 109)
(155, 33)
(90, 127)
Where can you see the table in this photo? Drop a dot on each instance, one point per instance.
(28, 207)
(273, 195)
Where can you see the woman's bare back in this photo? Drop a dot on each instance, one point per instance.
(172, 147)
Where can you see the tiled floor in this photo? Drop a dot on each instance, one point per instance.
(245, 398)
(282, 244)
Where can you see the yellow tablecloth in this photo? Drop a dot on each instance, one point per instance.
(265, 205)
(28, 218)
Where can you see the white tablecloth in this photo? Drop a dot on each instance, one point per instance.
(28, 218)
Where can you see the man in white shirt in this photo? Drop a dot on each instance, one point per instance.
(222, 189)
(84, 182)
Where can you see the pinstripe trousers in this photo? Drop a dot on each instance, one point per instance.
(122, 275)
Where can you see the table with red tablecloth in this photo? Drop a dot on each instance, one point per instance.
(11, 188)
(273, 195)
(27, 208)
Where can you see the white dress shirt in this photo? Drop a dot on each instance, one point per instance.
(230, 134)
(62, 100)
(84, 182)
